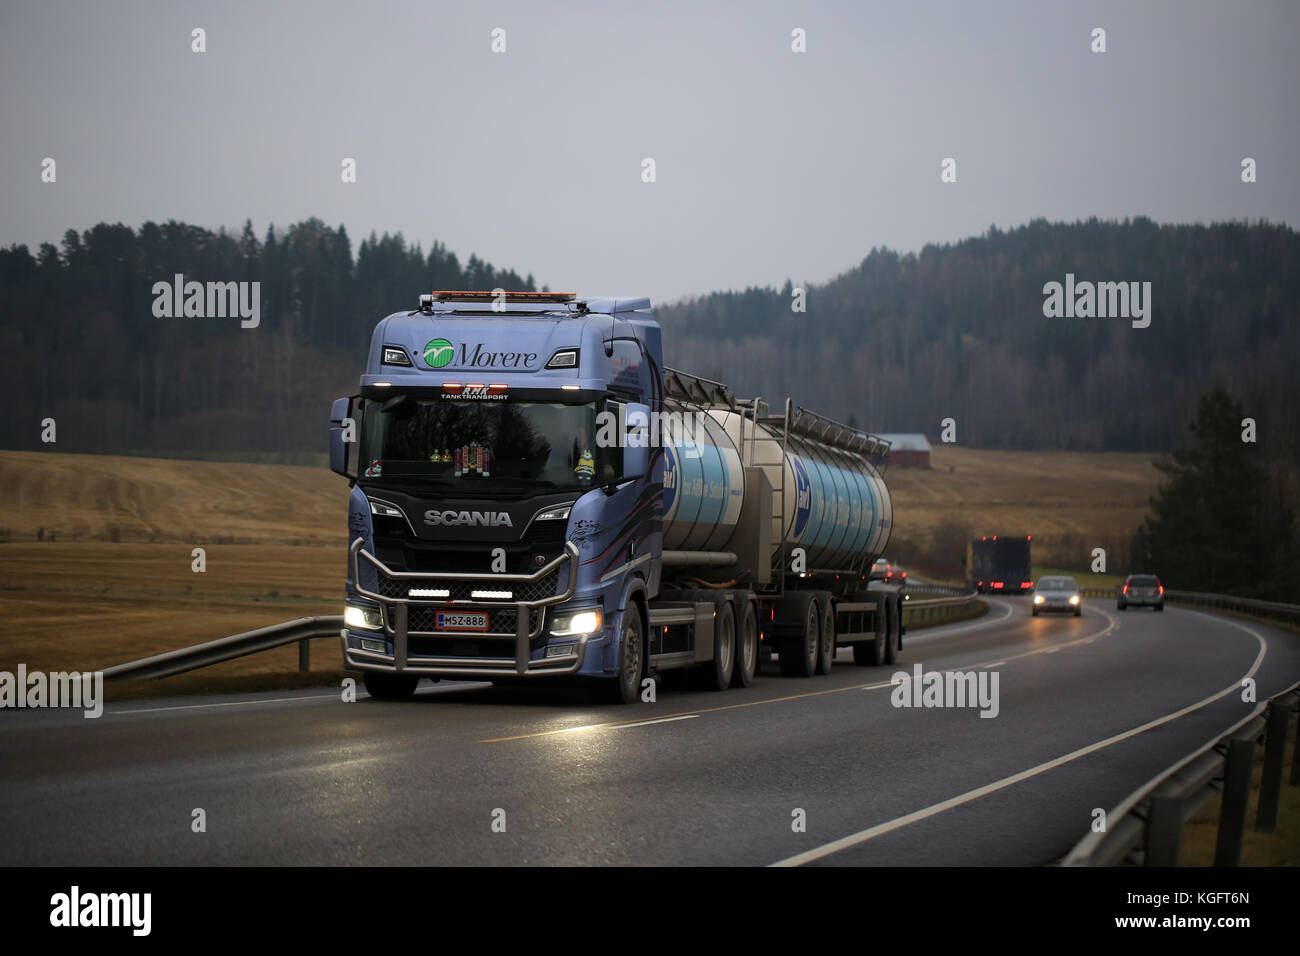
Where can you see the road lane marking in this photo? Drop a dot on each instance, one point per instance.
(613, 724)
(870, 833)
(228, 703)
(657, 720)
(695, 713)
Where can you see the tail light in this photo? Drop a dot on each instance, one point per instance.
(1162, 589)
(1125, 591)
(1026, 584)
(997, 584)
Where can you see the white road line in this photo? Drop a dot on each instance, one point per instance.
(661, 720)
(994, 664)
(863, 836)
(229, 703)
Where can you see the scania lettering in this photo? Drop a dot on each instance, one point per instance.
(553, 521)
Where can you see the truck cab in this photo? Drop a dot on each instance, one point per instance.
(505, 508)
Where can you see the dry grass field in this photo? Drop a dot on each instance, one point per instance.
(1070, 502)
(116, 582)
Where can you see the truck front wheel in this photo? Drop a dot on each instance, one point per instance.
(390, 686)
(626, 687)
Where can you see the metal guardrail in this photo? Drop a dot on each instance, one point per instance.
(301, 631)
(1146, 828)
(936, 608)
(1271, 610)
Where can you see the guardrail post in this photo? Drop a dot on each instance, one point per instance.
(1164, 831)
(1295, 760)
(1236, 795)
(304, 654)
(1270, 784)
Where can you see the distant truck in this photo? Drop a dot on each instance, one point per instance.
(534, 495)
(999, 564)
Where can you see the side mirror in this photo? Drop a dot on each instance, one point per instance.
(342, 429)
(637, 442)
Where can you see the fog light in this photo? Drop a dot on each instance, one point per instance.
(562, 650)
(377, 646)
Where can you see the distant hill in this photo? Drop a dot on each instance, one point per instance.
(897, 343)
(957, 331)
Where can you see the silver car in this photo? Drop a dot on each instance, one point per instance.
(1057, 593)
(1141, 590)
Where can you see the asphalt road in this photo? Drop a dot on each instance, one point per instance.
(1088, 709)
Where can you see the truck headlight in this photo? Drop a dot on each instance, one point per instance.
(367, 618)
(576, 623)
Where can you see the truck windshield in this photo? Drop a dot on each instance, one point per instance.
(480, 446)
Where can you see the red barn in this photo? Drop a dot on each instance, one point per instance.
(908, 450)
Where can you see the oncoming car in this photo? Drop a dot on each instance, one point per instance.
(1057, 593)
(1141, 590)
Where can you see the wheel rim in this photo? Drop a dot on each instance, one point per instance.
(632, 652)
(728, 649)
(828, 635)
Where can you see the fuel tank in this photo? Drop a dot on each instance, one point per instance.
(830, 501)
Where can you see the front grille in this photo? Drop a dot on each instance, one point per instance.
(545, 586)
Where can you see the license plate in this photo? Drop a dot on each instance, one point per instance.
(462, 621)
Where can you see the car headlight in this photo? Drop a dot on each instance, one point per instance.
(1038, 599)
(1074, 599)
(367, 618)
(576, 623)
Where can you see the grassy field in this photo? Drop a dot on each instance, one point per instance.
(116, 582)
(1070, 502)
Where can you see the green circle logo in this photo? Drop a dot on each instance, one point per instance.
(439, 352)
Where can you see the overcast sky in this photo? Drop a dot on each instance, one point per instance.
(769, 163)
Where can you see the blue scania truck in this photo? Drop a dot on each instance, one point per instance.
(534, 495)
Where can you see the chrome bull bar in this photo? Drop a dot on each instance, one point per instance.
(397, 609)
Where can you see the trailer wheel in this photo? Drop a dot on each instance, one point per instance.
(872, 653)
(724, 646)
(799, 654)
(742, 672)
(895, 620)
(626, 687)
(826, 649)
(390, 686)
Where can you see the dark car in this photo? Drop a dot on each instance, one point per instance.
(885, 570)
(1057, 593)
(1141, 590)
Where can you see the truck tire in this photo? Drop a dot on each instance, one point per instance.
(390, 686)
(826, 647)
(872, 653)
(798, 654)
(720, 669)
(895, 619)
(625, 687)
(746, 666)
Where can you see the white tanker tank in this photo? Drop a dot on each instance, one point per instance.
(827, 496)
